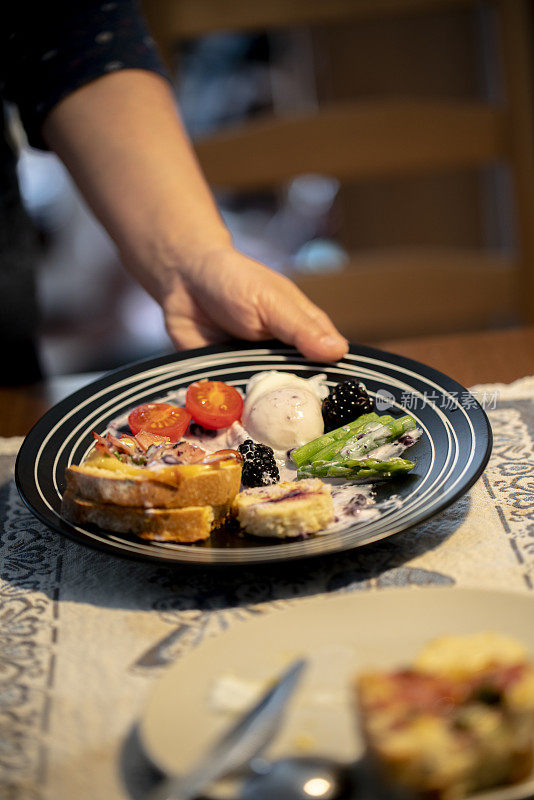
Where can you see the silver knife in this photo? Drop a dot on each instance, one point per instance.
(244, 740)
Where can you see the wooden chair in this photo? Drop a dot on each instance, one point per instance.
(450, 289)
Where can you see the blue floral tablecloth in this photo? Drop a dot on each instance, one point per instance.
(84, 635)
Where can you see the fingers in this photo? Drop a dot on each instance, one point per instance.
(325, 348)
(297, 321)
(233, 295)
(321, 340)
(261, 304)
(187, 334)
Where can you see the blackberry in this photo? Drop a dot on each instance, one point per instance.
(259, 466)
(346, 401)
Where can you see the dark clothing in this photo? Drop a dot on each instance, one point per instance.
(48, 50)
(52, 48)
(18, 255)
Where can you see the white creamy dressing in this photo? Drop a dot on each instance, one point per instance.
(353, 501)
(230, 437)
(395, 449)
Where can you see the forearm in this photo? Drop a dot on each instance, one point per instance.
(122, 140)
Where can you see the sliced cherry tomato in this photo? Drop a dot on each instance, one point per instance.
(213, 404)
(162, 419)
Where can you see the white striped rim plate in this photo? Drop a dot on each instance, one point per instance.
(450, 455)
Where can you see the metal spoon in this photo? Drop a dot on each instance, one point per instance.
(300, 779)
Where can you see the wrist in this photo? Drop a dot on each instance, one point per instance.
(165, 259)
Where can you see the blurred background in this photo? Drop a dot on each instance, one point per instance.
(378, 151)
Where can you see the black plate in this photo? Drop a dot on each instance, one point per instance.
(450, 455)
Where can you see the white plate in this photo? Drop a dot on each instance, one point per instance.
(340, 635)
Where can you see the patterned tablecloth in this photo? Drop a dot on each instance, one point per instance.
(84, 635)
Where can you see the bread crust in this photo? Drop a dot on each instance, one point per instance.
(211, 485)
(190, 524)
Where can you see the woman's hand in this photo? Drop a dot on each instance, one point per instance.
(122, 140)
(226, 294)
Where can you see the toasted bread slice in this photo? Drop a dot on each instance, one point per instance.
(190, 524)
(287, 509)
(108, 480)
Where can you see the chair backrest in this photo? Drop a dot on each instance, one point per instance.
(392, 292)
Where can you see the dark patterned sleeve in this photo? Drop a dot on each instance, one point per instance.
(55, 47)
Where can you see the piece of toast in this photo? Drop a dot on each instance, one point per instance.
(458, 721)
(190, 524)
(107, 480)
(284, 510)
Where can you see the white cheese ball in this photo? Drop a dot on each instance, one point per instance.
(282, 410)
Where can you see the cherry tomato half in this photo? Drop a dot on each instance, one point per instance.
(162, 419)
(213, 404)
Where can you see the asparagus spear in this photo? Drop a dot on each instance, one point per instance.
(331, 450)
(351, 469)
(367, 439)
(304, 454)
